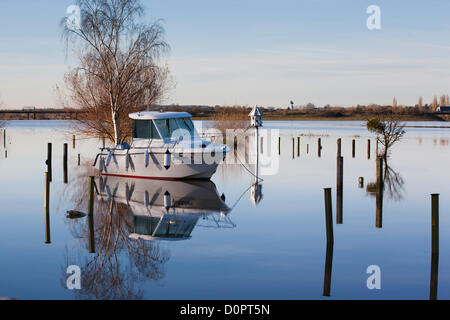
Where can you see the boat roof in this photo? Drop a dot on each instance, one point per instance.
(155, 115)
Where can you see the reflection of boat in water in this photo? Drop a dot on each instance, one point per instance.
(167, 210)
(165, 146)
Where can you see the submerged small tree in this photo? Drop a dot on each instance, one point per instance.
(388, 132)
(117, 72)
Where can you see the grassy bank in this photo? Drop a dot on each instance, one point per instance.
(232, 115)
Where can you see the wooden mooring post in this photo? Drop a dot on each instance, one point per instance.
(319, 147)
(47, 208)
(91, 216)
(279, 145)
(328, 215)
(368, 149)
(353, 148)
(298, 147)
(65, 157)
(379, 193)
(339, 147)
(339, 189)
(49, 161)
(73, 142)
(293, 148)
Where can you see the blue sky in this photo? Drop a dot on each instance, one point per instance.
(253, 52)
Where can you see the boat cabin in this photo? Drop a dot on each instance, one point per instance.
(162, 125)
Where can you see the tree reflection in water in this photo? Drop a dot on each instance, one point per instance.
(121, 265)
(393, 183)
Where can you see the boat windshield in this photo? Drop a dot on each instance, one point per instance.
(187, 124)
(171, 128)
(145, 129)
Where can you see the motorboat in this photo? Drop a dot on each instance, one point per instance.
(165, 146)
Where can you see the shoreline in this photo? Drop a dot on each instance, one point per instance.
(5, 124)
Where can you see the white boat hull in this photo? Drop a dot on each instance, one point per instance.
(135, 163)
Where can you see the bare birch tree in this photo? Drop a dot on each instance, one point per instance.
(118, 72)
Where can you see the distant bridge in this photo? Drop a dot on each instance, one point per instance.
(35, 114)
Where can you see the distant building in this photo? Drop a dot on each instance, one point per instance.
(443, 109)
(310, 106)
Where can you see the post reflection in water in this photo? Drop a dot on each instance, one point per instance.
(330, 243)
(434, 246)
(388, 182)
(131, 215)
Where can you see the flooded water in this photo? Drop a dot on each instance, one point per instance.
(232, 238)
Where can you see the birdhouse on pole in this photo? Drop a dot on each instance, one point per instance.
(256, 117)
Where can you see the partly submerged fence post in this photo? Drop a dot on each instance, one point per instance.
(47, 208)
(298, 146)
(368, 149)
(328, 215)
(279, 145)
(319, 147)
(339, 147)
(339, 190)
(293, 148)
(379, 193)
(73, 141)
(91, 216)
(435, 222)
(49, 161)
(65, 156)
(353, 148)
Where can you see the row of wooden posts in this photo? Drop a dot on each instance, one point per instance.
(65, 160)
(90, 215)
(319, 147)
(330, 243)
(48, 180)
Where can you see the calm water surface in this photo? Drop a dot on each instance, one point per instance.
(244, 245)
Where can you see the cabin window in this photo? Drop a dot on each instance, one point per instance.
(145, 129)
(167, 127)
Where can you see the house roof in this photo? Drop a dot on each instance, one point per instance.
(155, 115)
